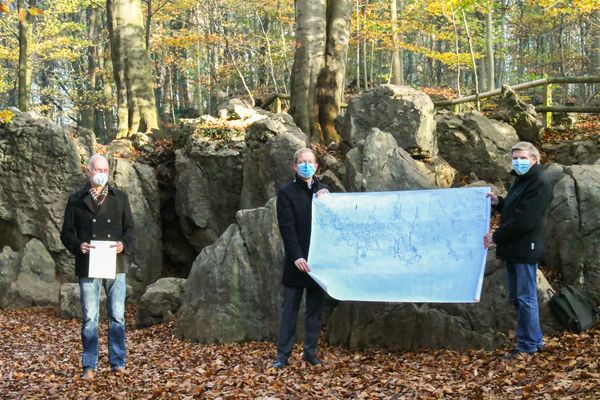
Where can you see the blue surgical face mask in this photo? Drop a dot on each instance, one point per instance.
(306, 170)
(521, 166)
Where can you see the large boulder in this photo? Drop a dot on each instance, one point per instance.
(232, 292)
(404, 112)
(573, 226)
(40, 165)
(379, 164)
(585, 151)
(472, 143)
(520, 115)
(271, 143)
(139, 182)
(28, 278)
(409, 326)
(160, 302)
(208, 187)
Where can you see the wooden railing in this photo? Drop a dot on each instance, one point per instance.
(548, 108)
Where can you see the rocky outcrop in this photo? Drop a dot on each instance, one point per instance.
(208, 187)
(268, 163)
(40, 164)
(520, 115)
(28, 278)
(404, 112)
(584, 151)
(573, 226)
(379, 164)
(160, 302)
(472, 143)
(139, 182)
(409, 326)
(232, 292)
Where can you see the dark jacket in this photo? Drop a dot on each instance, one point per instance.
(85, 221)
(520, 236)
(294, 215)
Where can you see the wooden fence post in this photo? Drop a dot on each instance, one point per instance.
(548, 103)
(278, 105)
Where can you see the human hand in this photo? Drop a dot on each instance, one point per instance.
(302, 265)
(322, 192)
(493, 198)
(85, 247)
(119, 246)
(488, 240)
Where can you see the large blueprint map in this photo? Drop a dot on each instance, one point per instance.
(409, 246)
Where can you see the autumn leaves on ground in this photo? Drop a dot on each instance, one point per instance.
(39, 359)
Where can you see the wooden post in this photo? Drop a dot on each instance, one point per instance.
(278, 105)
(548, 103)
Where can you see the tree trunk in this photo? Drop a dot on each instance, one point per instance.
(397, 67)
(322, 34)
(24, 74)
(595, 64)
(489, 50)
(86, 119)
(472, 60)
(131, 68)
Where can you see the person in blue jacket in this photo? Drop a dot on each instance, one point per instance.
(520, 241)
(294, 212)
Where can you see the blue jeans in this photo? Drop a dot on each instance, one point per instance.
(115, 305)
(522, 291)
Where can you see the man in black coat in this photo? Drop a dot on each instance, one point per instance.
(99, 212)
(520, 241)
(294, 212)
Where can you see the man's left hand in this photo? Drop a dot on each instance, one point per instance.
(119, 246)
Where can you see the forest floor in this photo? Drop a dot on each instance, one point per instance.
(40, 359)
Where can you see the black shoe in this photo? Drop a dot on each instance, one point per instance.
(279, 364)
(312, 360)
(513, 353)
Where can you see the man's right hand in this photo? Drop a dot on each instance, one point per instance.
(302, 265)
(493, 198)
(85, 247)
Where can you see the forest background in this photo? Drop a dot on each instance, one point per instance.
(81, 61)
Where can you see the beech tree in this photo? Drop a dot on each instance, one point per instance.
(317, 86)
(134, 80)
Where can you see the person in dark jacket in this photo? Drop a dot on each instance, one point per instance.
(99, 211)
(520, 241)
(294, 210)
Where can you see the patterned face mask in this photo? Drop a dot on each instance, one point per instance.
(306, 170)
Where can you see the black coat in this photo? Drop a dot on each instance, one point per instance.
(294, 214)
(520, 236)
(85, 221)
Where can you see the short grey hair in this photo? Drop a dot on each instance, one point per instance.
(92, 160)
(299, 152)
(535, 153)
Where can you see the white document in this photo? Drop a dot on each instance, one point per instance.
(103, 260)
(409, 246)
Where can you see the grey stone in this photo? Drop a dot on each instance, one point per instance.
(28, 278)
(400, 110)
(381, 165)
(208, 188)
(271, 143)
(232, 292)
(160, 302)
(333, 182)
(139, 182)
(520, 115)
(573, 226)
(471, 142)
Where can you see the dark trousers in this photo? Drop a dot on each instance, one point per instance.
(289, 316)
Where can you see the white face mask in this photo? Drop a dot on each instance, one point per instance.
(99, 179)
